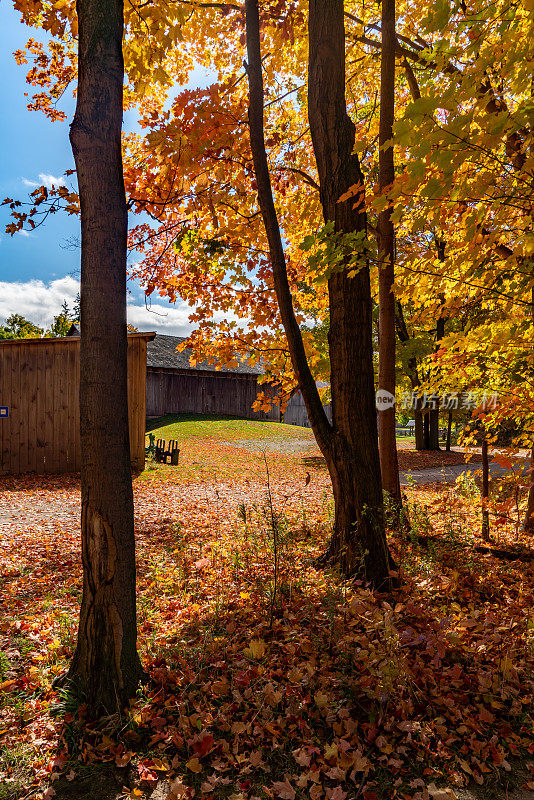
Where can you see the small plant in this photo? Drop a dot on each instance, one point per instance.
(466, 486)
(420, 522)
(4, 665)
(69, 699)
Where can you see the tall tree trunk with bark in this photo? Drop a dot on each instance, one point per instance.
(386, 259)
(449, 432)
(419, 428)
(528, 523)
(105, 666)
(350, 444)
(485, 489)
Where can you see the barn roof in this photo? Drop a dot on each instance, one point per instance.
(162, 354)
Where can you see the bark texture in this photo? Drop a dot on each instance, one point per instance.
(350, 445)
(354, 464)
(529, 513)
(485, 490)
(449, 432)
(386, 259)
(105, 666)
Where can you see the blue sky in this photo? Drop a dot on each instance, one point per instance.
(31, 146)
(38, 270)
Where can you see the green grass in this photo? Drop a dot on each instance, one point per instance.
(187, 426)
(175, 426)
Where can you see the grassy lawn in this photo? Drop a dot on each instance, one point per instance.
(182, 426)
(176, 426)
(228, 448)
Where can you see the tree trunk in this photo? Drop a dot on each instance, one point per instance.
(419, 429)
(485, 490)
(433, 428)
(449, 432)
(426, 429)
(386, 260)
(350, 444)
(355, 465)
(529, 514)
(105, 667)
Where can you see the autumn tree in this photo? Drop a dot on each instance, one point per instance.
(105, 666)
(18, 327)
(349, 445)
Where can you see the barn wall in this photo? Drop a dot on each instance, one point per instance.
(296, 413)
(198, 392)
(39, 381)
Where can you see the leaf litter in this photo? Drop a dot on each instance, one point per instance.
(347, 694)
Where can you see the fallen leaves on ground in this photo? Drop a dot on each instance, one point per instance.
(348, 693)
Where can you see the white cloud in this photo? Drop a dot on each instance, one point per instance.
(51, 180)
(173, 320)
(36, 300)
(40, 302)
(44, 180)
(24, 233)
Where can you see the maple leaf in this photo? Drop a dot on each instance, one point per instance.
(134, 794)
(178, 789)
(203, 745)
(284, 790)
(337, 793)
(220, 688)
(256, 649)
(441, 794)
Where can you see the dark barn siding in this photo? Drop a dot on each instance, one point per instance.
(296, 413)
(201, 392)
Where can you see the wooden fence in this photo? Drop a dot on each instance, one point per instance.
(39, 384)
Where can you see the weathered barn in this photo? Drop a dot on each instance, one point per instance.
(39, 407)
(174, 386)
(296, 413)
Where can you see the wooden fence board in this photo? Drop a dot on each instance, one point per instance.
(14, 411)
(39, 381)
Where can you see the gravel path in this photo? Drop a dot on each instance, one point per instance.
(296, 445)
(448, 474)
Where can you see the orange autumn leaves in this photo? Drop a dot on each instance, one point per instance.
(345, 688)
